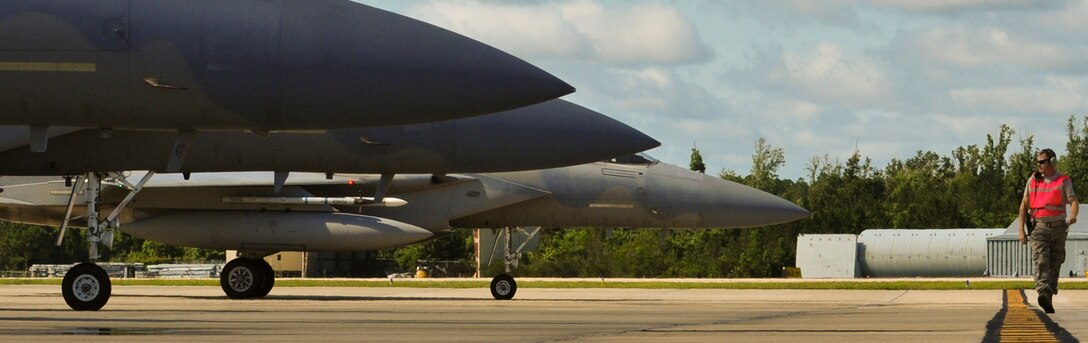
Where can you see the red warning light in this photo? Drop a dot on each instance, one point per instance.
(351, 182)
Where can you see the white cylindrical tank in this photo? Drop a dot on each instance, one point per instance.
(943, 252)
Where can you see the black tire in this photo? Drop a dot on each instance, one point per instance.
(269, 278)
(503, 287)
(86, 287)
(241, 278)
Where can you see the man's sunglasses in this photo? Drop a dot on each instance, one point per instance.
(1042, 162)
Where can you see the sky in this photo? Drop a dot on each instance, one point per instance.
(815, 78)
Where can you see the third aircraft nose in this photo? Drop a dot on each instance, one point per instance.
(731, 204)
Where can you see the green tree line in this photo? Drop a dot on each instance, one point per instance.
(24, 245)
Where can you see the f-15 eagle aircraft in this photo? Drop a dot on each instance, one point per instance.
(258, 65)
(551, 134)
(239, 211)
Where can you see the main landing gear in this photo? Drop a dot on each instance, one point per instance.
(247, 278)
(503, 286)
(86, 287)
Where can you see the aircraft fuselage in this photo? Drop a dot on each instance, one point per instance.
(246, 65)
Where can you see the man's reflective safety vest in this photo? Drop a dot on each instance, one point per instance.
(1046, 197)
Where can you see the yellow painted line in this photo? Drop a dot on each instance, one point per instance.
(1022, 324)
(49, 67)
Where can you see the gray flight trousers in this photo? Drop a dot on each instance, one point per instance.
(1047, 254)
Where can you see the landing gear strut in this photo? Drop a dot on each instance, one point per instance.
(247, 278)
(503, 286)
(86, 287)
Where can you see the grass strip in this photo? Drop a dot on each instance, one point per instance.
(844, 285)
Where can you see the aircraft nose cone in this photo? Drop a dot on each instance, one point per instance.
(360, 66)
(592, 133)
(553, 134)
(733, 205)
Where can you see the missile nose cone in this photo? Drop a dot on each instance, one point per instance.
(356, 65)
(730, 204)
(414, 234)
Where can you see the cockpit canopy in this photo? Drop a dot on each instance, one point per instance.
(638, 159)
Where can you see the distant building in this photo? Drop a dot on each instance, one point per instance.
(1009, 258)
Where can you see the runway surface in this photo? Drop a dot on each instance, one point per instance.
(140, 313)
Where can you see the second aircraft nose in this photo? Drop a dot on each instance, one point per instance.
(552, 134)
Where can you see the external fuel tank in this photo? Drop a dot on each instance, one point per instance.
(277, 231)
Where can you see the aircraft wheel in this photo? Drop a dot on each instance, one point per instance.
(269, 278)
(241, 278)
(503, 287)
(86, 287)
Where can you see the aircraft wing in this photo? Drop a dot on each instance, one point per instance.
(434, 205)
(497, 193)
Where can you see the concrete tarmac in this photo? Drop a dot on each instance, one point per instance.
(170, 313)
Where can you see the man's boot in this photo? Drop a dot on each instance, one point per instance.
(1044, 302)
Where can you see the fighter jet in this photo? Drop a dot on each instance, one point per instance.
(551, 134)
(237, 211)
(258, 65)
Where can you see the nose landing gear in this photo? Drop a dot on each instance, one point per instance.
(86, 287)
(503, 286)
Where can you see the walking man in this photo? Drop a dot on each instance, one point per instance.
(1046, 196)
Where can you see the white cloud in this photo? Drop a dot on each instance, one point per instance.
(1057, 96)
(527, 30)
(880, 116)
(806, 137)
(985, 47)
(826, 75)
(708, 129)
(794, 112)
(789, 12)
(957, 5)
(833, 74)
(657, 91)
(638, 34)
(1070, 19)
(857, 14)
(964, 125)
